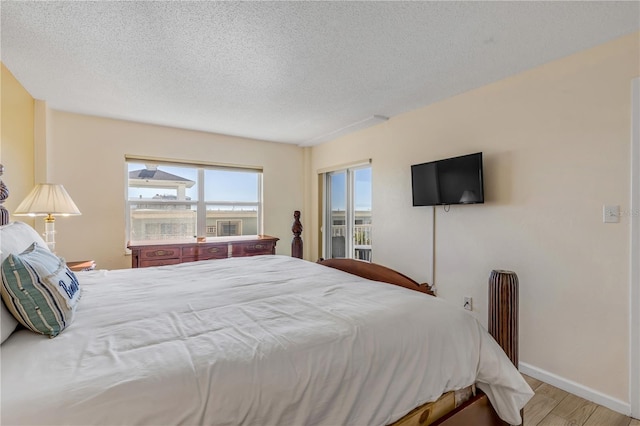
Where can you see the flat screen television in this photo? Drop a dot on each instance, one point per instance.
(456, 180)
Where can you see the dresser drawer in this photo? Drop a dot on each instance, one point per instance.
(203, 252)
(253, 248)
(154, 253)
(213, 252)
(158, 262)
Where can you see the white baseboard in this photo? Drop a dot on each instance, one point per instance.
(576, 389)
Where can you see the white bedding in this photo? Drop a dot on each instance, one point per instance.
(268, 340)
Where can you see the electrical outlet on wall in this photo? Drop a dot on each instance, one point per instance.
(610, 214)
(468, 303)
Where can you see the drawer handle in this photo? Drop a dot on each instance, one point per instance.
(214, 250)
(259, 246)
(156, 253)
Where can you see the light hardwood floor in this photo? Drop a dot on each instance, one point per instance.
(551, 406)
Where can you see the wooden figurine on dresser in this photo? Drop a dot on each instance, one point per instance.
(296, 243)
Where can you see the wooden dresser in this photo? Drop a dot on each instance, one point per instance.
(158, 253)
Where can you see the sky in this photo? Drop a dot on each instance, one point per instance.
(362, 191)
(220, 185)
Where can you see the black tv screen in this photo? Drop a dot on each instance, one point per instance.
(455, 180)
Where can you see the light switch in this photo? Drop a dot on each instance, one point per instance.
(611, 214)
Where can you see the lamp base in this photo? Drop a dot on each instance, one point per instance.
(50, 232)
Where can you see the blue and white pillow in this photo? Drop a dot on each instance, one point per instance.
(39, 290)
(15, 237)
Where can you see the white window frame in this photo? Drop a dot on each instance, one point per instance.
(200, 204)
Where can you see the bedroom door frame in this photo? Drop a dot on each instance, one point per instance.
(634, 290)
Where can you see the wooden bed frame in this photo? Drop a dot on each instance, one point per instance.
(477, 411)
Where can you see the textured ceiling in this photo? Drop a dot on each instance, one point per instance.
(295, 72)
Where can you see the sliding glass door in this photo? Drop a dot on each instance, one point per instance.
(347, 221)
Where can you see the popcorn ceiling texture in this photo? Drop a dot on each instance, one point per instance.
(290, 72)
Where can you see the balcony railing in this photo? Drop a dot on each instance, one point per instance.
(361, 233)
(361, 241)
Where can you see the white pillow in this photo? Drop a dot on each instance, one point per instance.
(8, 323)
(15, 238)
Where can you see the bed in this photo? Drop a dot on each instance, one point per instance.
(266, 340)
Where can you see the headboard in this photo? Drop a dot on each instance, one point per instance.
(4, 194)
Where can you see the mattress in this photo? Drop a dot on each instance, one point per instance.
(267, 340)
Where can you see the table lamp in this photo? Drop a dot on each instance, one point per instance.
(48, 199)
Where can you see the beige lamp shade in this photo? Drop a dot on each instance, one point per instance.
(47, 199)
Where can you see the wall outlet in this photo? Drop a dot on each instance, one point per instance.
(468, 303)
(610, 214)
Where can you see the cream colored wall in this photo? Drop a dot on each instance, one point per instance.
(16, 135)
(86, 154)
(556, 148)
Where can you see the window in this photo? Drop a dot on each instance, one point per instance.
(229, 227)
(347, 220)
(169, 201)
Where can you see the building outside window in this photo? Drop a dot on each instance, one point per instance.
(181, 201)
(227, 228)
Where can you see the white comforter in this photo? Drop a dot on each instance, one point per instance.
(269, 340)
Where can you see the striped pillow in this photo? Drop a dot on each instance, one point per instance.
(39, 290)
